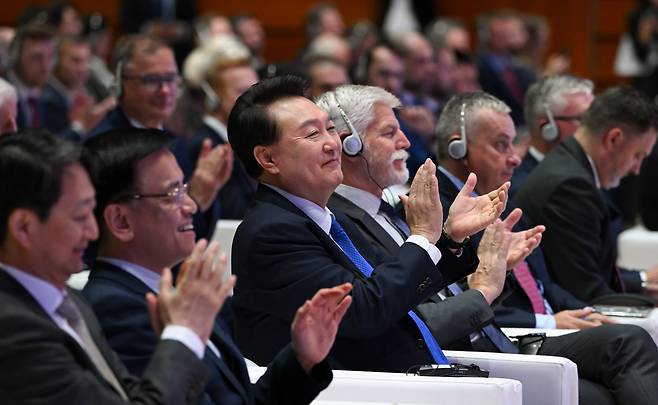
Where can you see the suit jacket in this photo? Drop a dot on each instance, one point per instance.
(515, 309)
(580, 239)
(649, 192)
(239, 190)
(117, 298)
(452, 320)
(282, 258)
(527, 165)
(43, 364)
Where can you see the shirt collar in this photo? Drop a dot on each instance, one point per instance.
(596, 174)
(146, 276)
(454, 180)
(217, 126)
(22, 90)
(47, 295)
(321, 216)
(363, 199)
(535, 153)
(137, 124)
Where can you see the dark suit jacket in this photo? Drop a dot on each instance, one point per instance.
(649, 192)
(117, 298)
(282, 258)
(452, 320)
(515, 309)
(580, 241)
(527, 165)
(43, 364)
(237, 193)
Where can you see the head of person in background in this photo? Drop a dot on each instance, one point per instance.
(32, 54)
(502, 33)
(554, 108)
(449, 33)
(361, 37)
(66, 18)
(466, 74)
(72, 61)
(324, 74)
(486, 133)
(210, 25)
(382, 67)
(147, 79)
(419, 63)
(99, 33)
(323, 18)
(251, 32)
(446, 74)
(381, 161)
(8, 107)
(330, 46)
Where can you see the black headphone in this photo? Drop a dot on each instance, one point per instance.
(550, 132)
(352, 144)
(458, 148)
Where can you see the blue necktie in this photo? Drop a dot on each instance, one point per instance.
(395, 219)
(496, 337)
(342, 240)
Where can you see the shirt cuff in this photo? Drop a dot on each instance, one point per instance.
(186, 336)
(543, 321)
(423, 243)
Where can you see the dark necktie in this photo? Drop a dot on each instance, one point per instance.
(35, 119)
(528, 284)
(512, 82)
(69, 311)
(496, 336)
(394, 218)
(342, 240)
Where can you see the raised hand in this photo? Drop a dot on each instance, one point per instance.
(213, 169)
(315, 325)
(199, 295)
(489, 277)
(523, 242)
(469, 215)
(423, 204)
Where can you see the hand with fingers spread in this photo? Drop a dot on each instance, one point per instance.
(423, 205)
(489, 277)
(316, 322)
(469, 215)
(213, 169)
(584, 318)
(523, 242)
(199, 295)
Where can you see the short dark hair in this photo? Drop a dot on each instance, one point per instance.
(31, 166)
(250, 124)
(111, 159)
(621, 106)
(129, 45)
(32, 32)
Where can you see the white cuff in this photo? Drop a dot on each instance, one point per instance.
(433, 251)
(543, 321)
(186, 336)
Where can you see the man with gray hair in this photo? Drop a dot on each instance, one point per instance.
(8, 106)
(553, 109)
(565, 192)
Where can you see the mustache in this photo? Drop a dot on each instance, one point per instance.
(399, 154)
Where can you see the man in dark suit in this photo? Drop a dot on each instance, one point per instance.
(565, 193)
(146, 226)
(53, 349)
(147, 82)
(289, 244)
(489, 133)
(553, 109)
(227, 73)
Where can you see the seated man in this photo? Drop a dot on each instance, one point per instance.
(290, 244)
(565, 193)
(145, 216)
(52, 349)
(460, 321)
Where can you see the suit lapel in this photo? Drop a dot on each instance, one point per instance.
(230, 365)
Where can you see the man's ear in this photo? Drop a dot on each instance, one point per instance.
(21, 225)
(265, 158)
(613, 139)
(117, 222)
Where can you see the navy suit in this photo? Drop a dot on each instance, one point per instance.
(239, 190)
(118, 299)
(282, 258)
(515, 309)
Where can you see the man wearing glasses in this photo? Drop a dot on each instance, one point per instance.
(553, 109)
(146, 86)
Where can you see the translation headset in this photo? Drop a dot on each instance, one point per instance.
(457, 148)
(550, 132)
(115, 87)
(212, 99)
(352, 144)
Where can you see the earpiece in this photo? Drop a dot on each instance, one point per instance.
(212, 100)
(550, 132)
(115, 87)
(458, 148)
(352, 144)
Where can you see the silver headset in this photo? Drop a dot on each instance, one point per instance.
(352, 144)
(550, 132)
(458, 148)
